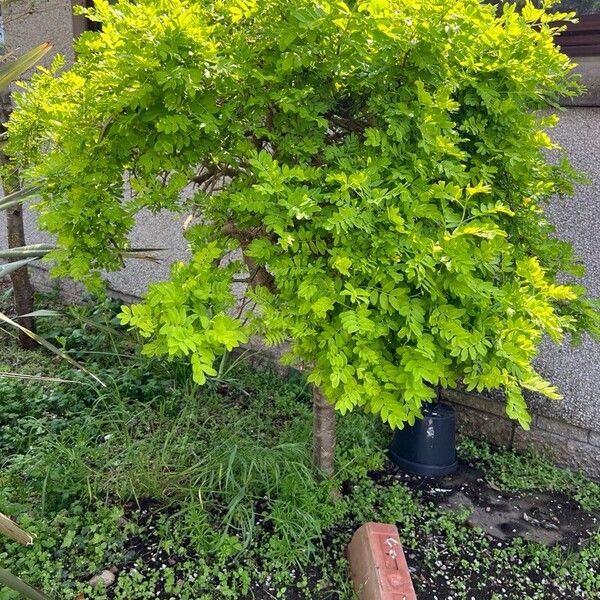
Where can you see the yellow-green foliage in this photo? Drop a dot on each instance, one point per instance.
(387, 161)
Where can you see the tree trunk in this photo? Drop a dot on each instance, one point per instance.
(22, 288)
(323, 434)
(323, 412)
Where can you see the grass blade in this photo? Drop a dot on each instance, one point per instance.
(41, 250)
(40, 313)
(43, 342)
(130, 254)
(133, 250)
(38, 378)
(137, 253)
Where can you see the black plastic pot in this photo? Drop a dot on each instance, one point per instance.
(429, 446)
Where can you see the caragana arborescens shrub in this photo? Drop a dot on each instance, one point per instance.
(382, 165)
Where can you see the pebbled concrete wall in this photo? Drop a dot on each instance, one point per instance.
(577, 370)
(588, 68)
(569, 429)
(28, 23)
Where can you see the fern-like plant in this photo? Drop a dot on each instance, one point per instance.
(377, 170)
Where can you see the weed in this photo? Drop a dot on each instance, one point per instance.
(512, 471)
(208, 494)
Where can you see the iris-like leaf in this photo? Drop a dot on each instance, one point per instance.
(31, 251)
(15, 68)
(18, 197)
(14, 583)
(9, 528)
(8, 268)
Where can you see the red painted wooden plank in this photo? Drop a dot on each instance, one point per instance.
(377, 564)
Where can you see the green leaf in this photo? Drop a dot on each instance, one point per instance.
(227, 331)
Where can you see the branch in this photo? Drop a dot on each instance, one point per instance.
(214, 172)
(259, 274)
(348, 124)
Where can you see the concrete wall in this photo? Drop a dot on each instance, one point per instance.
(163, 230)
(569, 429)
(28, 23)
(588, 68)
